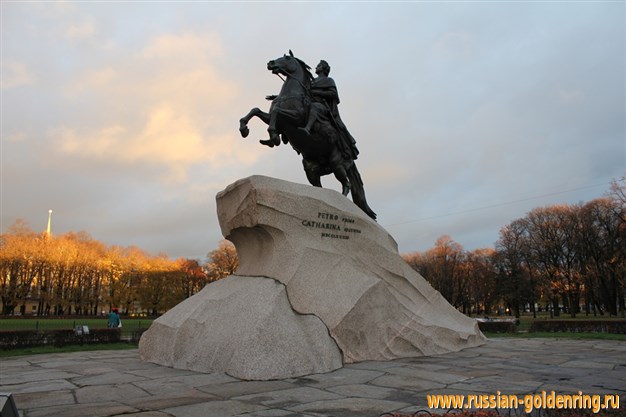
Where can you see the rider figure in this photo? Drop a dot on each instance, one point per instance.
(325, 99)
(324, 105)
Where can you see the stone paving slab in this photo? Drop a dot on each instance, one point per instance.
(118, 383)
(289, 397)
(227, 408)
(99, 409)
(349, 407)
(239, 388)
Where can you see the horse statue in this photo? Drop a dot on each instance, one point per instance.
(323, 141)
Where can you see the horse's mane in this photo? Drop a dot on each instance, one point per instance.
(306, 68)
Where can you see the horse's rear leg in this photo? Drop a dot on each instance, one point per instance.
(342, 177)
(336, 162)
(312, 171)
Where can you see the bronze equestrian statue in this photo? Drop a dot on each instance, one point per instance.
(305, 115)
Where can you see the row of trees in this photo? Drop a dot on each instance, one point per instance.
(466, 279)
(75, 274)
(565, 257)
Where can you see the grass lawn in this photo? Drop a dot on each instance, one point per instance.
(526, 320)
(131, 325)
(560, 335)
(128, 325)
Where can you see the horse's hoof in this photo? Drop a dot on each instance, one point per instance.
(345, 190)
(244, 131)
(269, 143)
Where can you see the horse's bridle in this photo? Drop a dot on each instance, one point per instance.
(307, 89)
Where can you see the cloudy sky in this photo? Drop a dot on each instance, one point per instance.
(122, 117)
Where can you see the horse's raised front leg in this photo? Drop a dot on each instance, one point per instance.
(243, 122)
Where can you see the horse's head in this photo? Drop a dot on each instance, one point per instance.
(289, 66)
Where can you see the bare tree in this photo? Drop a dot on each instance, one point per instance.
(602, 243)
(517, 281)
(481, 273)
(442, 266)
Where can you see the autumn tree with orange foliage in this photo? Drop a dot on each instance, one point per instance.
(22, 260)
(222, 261)
(562, 256)
(569, 256)
(465, 279)
(192, 277)
(75, 274)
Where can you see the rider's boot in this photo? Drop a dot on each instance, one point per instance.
(314, 112)
(274, 140)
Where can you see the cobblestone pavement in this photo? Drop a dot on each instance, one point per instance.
(118, 383)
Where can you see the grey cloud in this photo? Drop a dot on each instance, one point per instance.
(454, 107)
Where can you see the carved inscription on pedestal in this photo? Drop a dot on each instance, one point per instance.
(333, 226)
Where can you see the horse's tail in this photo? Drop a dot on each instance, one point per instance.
(358, 192)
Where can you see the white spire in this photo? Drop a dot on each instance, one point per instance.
(48, 229)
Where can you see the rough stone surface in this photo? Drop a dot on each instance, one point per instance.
(319, 282)
(243, 326)
(342, 266)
